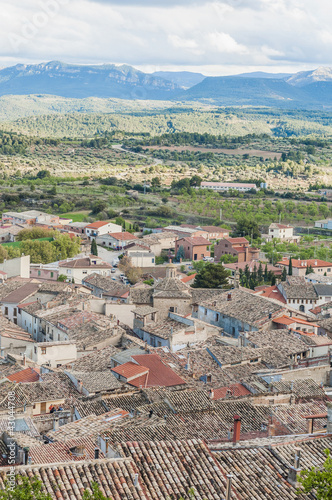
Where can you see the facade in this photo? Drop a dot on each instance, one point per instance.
(75, 227)
(20, 266)
(238, 311)
(117, 241)
(226, 186)
(216, 233)
(183, 231)
(99, 228)
(78, 269)
(238, 247)
(324, 224)
(48, 272)
(30, 217)
(141, 259)
(281, 231)
(195, 248)
(300, 266)
(54, 354)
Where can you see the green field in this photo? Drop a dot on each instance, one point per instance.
(76, 216)
(17, 244)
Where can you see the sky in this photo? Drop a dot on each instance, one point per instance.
(212, 37)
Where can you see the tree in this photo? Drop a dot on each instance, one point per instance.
(318, 480)
(284, 274)
(42, 174)
(248, 227)
(62, 277)
(290, 267)
(180, 253)
(309, 270)
(94, 248)
(212, 276)
(3, 253)
(24, 489)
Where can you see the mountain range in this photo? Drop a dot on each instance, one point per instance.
(309, 89)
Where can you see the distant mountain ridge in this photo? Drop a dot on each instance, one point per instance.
(308, 89)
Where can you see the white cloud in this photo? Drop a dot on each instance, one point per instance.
(174, 33)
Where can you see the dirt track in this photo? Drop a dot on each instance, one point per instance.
(250, 152)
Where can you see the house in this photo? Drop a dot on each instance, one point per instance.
(238, 311)
(77, 269)
(176, 332)
(185, 231)
(75, 227)
(147, 370)
(157, 242)
(304, 296)
(14, 339)
(140, 256)
(30, 217)
(100, 228)
(300, 266)
(10, 302)
(226, 186)
(49, 272)
(324, 224)
(215, 233)
(105, 287)
(238, 247)
(282, 232)
(20, 267)
(235, 267)
(117, 241)
(54, 354)
(195, 248)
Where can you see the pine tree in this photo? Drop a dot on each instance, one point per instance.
(290, 267)
(260, 273)
(94, 248)
(266, 274)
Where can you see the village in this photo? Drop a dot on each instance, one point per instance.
(156, 387)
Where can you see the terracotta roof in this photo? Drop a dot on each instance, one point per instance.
(130, 370)
(72, 450)
(84, 263)
(24, 376)
(123, 236)
(306, 263)
(272, 292)
(21, 293)
(235, 390)
(97, 224)
(159, 374)
(234, 241)
(195, 241)
(187, 279)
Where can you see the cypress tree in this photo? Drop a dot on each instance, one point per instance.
(94, 248)
(290, 267)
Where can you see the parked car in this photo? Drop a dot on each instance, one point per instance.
(113, 270)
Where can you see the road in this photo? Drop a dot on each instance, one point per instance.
(109, 256)
(118, 147)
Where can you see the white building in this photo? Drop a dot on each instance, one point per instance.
(226, 186)
(77, 269)
(141, 259)
(117, 241)
(99, 228)
(281, 232)
(54, 354)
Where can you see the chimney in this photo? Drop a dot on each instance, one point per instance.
(237, 429)
(106, 445)
(229, 297)
(293, 471)
(187, 367)
(80, 386)
(56, 424)
(229, 487)
(136, 484)
(24, 360)
(26, 455)
(96, 453)
(211, 395)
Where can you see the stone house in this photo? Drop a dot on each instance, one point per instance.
(195, 248)
(238, 247)
(117, 241)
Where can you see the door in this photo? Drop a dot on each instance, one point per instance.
(195, 256)
(42, 407)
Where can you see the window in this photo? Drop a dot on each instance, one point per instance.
(43, 350)
(205, 312)
(171, 309)
(52, 274)
(6, 311)
(217, 317)
(15, 311)
(301, 308)
(58, 336)
(39, 273)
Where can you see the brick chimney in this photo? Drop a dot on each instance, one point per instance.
(237, 429)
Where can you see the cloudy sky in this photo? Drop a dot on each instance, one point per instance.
(213, 37)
